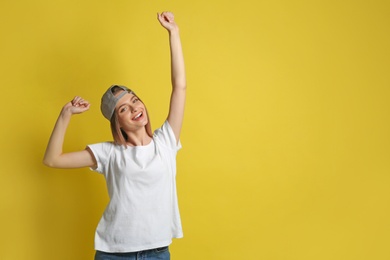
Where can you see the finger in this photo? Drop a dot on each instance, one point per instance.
(163, 17)
(84, 103)
(160, 17)
(169, 16)
(78, 101)
(75, 100)
(84, 107)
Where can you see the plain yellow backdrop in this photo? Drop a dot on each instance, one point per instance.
(286, 135)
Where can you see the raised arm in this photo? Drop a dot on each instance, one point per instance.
(54, 157)
(178, 76)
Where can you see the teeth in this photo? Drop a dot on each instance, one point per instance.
(139, 115)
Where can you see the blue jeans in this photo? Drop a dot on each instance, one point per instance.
(152, 254)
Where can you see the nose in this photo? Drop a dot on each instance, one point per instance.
(134, 109)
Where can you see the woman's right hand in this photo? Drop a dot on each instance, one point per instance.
(77, 106)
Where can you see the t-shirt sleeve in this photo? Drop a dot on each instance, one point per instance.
(102, 152)
(165, 135)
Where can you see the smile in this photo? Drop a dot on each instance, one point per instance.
(138, 116)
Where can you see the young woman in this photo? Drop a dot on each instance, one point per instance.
(139, 166)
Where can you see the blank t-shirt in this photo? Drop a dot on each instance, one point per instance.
(143, 209)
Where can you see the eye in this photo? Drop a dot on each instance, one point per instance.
(135, 100)
(123, 109)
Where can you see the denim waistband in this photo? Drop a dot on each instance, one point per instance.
(158, 249)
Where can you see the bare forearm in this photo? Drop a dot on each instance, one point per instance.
(56, 141)
(178, 76)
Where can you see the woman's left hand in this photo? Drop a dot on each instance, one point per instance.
(167, 20)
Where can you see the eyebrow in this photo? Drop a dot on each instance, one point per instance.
(134, 96)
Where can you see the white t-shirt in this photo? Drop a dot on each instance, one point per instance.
(143, 211)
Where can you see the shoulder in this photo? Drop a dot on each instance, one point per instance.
(165, 136)
(107, 144)
(103, 148)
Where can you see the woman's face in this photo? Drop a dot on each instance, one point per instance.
(131, 113)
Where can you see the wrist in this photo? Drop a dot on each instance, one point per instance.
(65, 113)
(174, 31)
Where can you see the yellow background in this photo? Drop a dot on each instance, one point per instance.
(286, 136)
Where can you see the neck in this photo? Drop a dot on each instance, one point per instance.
(138, 138)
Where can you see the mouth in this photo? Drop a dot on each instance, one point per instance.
(138, 116)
